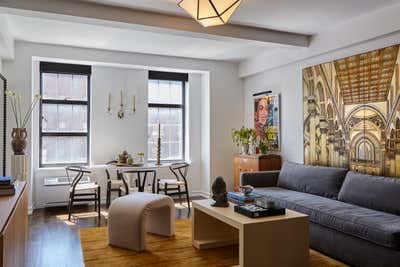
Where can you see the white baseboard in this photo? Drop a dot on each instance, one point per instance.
(200, 194)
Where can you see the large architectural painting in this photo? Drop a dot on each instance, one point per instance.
(352, 113)
(266, 120)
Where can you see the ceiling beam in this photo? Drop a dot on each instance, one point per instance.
(149, 19)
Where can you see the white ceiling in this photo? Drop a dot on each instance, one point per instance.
(302, 16)
(61, 32)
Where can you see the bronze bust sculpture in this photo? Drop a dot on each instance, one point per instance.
(219, 193)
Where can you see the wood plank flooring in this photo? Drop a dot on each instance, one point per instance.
(54, 241)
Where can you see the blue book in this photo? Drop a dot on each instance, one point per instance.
(242, 197)
(6, 180)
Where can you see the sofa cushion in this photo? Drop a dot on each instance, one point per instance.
(317, 180)
(374, 192)
(375, 226)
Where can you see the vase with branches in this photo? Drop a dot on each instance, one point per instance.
(244, 137)
(22, 117)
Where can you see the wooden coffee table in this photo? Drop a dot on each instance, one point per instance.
(270, 241)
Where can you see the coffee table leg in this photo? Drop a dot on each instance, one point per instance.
(209, 232)
(280, 243)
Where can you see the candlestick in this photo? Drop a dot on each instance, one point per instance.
(134, 103)
(159, 145)
(121, 98)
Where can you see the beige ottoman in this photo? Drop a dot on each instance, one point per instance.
(131, 216)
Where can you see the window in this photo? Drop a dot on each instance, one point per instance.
(64, 113)
(167, 109)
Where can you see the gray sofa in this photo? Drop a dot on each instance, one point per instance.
(354, 217)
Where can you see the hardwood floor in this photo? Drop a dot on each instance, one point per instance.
(54, 241)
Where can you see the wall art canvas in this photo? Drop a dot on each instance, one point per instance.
(267, 120)
(352, 113)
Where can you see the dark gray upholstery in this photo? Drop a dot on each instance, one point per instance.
(351, 250)
(375, 192)
(375, 226)
(317, 180)
(259, 179)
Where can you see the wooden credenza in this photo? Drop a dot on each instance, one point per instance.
(252, 163)
(14, 227)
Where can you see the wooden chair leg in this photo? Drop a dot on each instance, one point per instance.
(108, 196)
(187, 197)
(119, 192)
(98, 201)
(95, 205)
(180, 195)
(71, 203)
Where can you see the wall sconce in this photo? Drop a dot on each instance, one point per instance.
(121, 111)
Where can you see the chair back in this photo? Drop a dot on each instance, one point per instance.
(79, 170)
(180, 170)
(108, 171)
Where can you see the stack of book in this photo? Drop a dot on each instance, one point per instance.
(7, 187)
(241, 198)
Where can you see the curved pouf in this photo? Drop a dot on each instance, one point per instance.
(131, 216)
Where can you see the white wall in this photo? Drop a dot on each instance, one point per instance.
(221, 103)
(110, 135)
(287, 81)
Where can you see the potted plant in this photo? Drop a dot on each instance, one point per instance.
(21, 118)
(263, 146)
(244, 137)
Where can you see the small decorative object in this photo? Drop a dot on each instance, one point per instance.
(219, 193)
(244, 138)
(129, 161)
(123, 157)
(140, 157)
(19, 133)
(265, 203)
(159, 146)
(122, 111)
(246, 189)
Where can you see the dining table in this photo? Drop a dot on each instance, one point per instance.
(147, 167)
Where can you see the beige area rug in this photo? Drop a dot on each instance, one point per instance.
(168, 251)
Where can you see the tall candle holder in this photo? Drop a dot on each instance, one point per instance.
(159, 146)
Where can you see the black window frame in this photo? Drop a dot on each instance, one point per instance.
(70, 69)
(172, 76)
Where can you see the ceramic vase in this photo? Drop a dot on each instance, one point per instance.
(18, 142)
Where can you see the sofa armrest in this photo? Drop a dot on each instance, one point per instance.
(260, 179)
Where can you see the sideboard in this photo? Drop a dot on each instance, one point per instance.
(256, 162)
(14, 227)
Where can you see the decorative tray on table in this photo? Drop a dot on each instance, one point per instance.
(254, 211)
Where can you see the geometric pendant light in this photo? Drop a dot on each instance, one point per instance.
(210, 12)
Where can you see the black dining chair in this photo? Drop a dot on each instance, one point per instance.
(82, 192)
(172, 187)
(115, 185)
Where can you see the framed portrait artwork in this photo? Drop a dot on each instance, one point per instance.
(267, 120)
